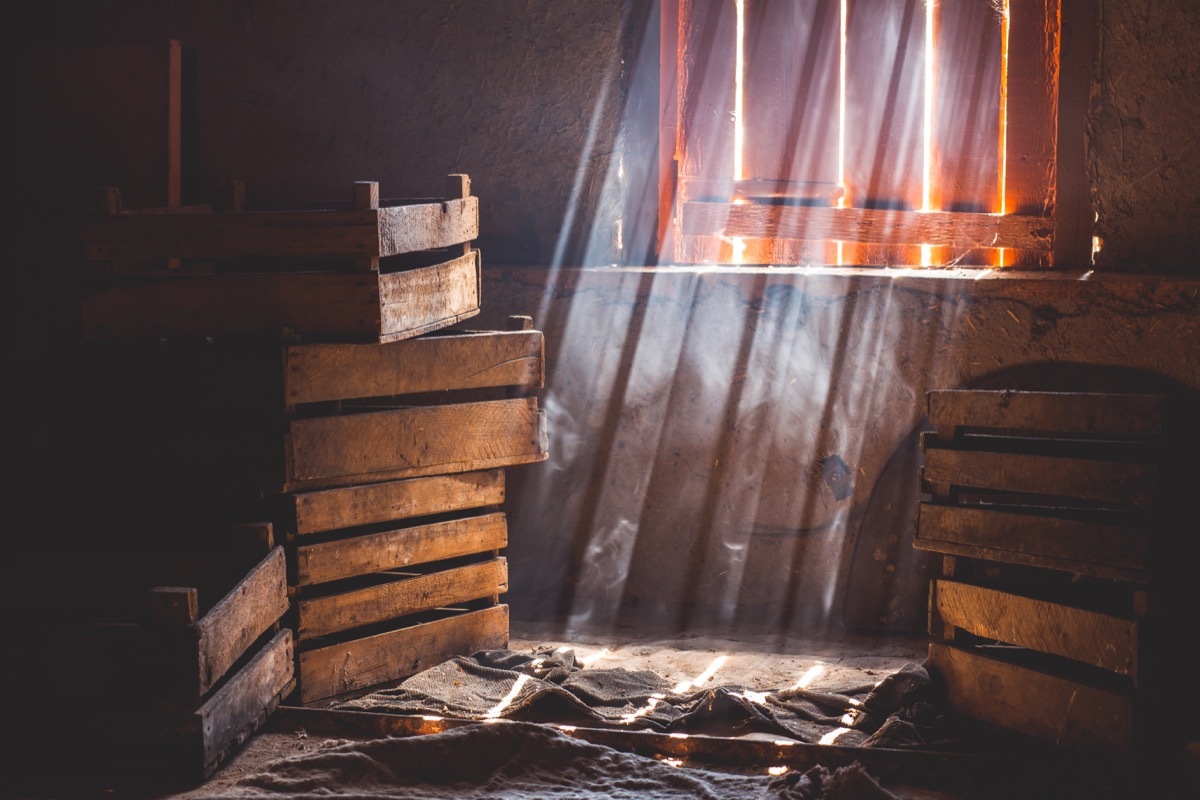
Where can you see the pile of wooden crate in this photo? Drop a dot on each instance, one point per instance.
(292, 367)
(1050, 510)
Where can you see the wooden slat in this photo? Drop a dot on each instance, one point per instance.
(1131, 415)
(372, 233)
(387, 601)
(321, 372)
(240, 617)
(242, 705)
(1033, 41)
(1101, 640)
(1035, 703)
(886, 226)
(1098, 549)
(351, 506)
(427, 299)
(390, 656)
(1122, 483)
(421, 544)
(410, 442)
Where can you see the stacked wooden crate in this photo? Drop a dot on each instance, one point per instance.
(118, 674)
(1047, 507)
(313, 385)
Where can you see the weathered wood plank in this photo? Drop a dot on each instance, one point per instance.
(401, 443)
(370, 233)
(1033, 49)
(879, 226)
(350, 506)
(241, 706)
(358, 305)
(240, 617)
(387, 601)
(1121, 483)
(1035, 703)
(1098, 549)
(421, 544)
(1141, 415)
(321, 372)
(1101, 640)
(397, 654)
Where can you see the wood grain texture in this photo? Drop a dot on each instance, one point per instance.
(420, 544)
(1121, 483)
(1140, 415)
(1038, 704)
(1097, 549)
(321, 372)
(351, 506)
(1032, 106)
(864, 225)
(421, 300)
(397, 654)
(240, 617)
(1101, 640)
(410, 442)
(387, 601)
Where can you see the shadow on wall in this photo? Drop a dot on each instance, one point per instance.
(886, 583)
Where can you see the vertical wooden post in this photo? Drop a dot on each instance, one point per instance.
(366, 198)
(1073, 215)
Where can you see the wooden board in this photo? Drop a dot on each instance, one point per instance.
(363, 306)
(1122, 484)
(1035, 703)
(365, 233)
(234, 623)
(1103, 550)
(1101, 640)
(394, 549)
(411, 442)
(322, 372)
(1124, 415)
(374, 660)
(351, 506)
(387, 601)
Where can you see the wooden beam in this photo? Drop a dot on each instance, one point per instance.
(1074, 218)
(886, 226)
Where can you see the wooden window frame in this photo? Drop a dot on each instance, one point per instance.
(1052, 47)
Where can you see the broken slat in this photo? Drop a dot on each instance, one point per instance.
(339, 612)
(351, 506)
(358, 664)
(419, 544)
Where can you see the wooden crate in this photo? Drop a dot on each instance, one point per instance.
(1044, 506)
(133, 677)
(391, 578)
(369, 271)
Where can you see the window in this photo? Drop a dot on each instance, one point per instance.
(875, 132)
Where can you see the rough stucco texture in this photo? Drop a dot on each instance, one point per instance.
(1145, 136)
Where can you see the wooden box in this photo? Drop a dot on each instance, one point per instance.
(1045, 506)
(361, 271)
(133, 677)
(391, 578)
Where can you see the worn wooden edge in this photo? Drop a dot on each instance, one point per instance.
(1050, 412)
(1122, 483)
(389, 601)
(1035, 703)
(911, 767)
(352, 506)
(1088, 548)
(240, 617)
(338, 669)
(870, 226)
(316, 373)
(241, 706)
(401, 547)
(1100, 640)
(427, 226)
